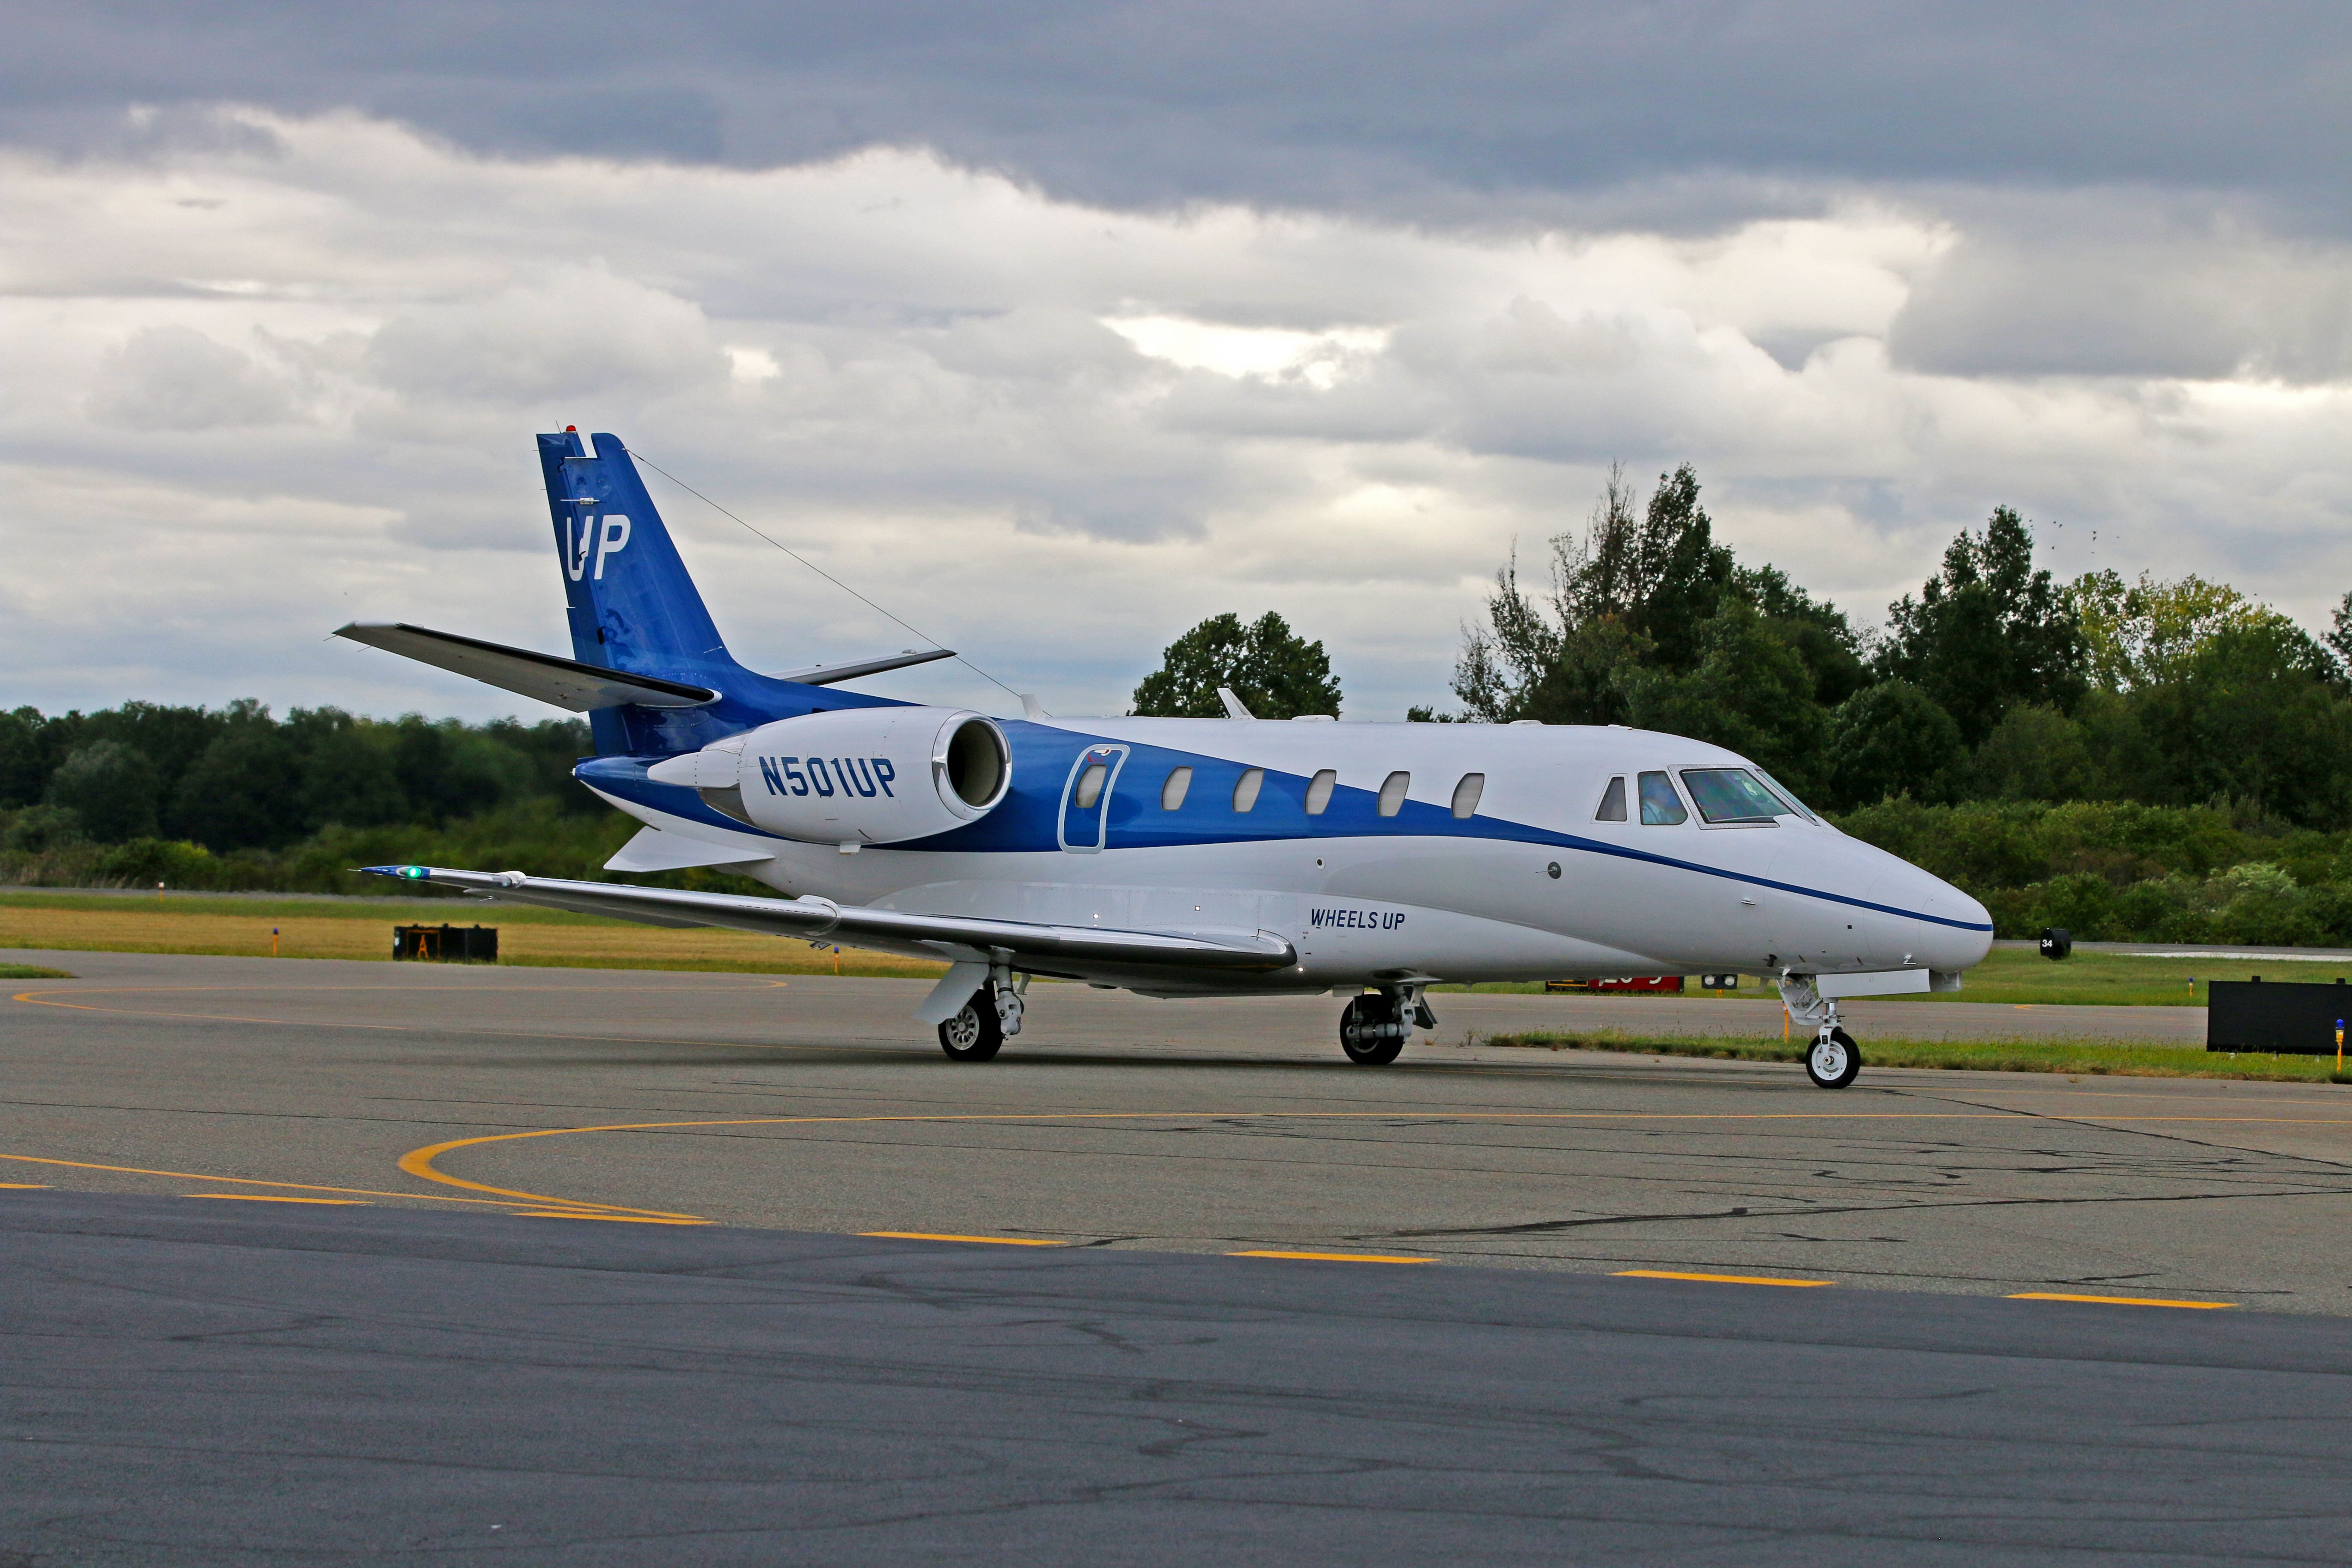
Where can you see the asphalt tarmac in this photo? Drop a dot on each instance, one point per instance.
(1113, 1121)
(308, 1261)
(196, 1383)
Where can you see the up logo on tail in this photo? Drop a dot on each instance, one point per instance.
(604, 537)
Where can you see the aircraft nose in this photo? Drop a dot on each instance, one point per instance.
(1955, 930)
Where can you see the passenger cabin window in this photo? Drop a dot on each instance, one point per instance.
(1318, 791)
(1727, 797)
(1172, 793)
(1467, 793)
(1245, 788)
(1661, 807)
(1392, 790)
(1613, 802)
(1089, 788)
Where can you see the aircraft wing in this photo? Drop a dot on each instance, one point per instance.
(937, 936)
(566, 682)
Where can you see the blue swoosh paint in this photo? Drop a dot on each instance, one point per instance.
(1025, 822)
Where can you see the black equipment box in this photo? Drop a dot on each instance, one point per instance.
(2292, 1018)
(475, 944)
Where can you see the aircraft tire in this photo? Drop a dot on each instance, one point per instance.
(1833, 1063)
(974, 1035)
(1365, 1049)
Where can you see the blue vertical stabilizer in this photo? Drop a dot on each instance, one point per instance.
(633, 608)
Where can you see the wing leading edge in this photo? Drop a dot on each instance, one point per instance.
(954, 937)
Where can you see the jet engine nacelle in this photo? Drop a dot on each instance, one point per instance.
(853, 775)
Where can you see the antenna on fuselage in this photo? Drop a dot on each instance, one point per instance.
(1234, 708)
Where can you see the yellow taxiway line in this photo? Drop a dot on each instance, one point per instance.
(2120, 1300)
(1335, 1257)
(934, 1235)
(1717, 1279)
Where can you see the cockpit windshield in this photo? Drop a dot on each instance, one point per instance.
(1733, 795)
(1787, 795)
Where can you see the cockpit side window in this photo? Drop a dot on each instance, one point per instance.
(1661, 807)
(1613, 802)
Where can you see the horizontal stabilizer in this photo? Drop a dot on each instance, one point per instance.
(955, 936)
(654, 850)
(826, 674)
(566, 683)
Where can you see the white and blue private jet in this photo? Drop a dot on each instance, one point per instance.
(1177, 857)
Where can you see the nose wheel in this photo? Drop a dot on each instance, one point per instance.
(1833, 1060)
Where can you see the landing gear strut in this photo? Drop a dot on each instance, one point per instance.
(1833, 1059)
(1374, 1027)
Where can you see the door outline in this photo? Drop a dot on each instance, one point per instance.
(1116, 757)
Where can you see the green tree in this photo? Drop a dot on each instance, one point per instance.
(347, 772)
(24, 762)
(244, 792)
(2339, 637)
(1631, 597)
(1891, 741)
(110, 788)
(2252, 715)
(1987, 631)
(1750, 692)
(2143, 632)
(1276, 673)
(2034, 753)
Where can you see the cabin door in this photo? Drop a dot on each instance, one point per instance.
(1086, 798)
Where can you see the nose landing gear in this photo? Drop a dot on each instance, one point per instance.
(1833, 1061)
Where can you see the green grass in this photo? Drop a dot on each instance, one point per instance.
(2022, 977)
(2085, 1059)
(31, 971)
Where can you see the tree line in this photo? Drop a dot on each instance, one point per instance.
(2148, 759)
(238, 779)
(1992, 682)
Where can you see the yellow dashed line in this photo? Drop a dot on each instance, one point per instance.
(931, 1235)
(275, 1198)
(2120, 1300)
(617, 1218)
(1716, 1279)
(1335, 1257)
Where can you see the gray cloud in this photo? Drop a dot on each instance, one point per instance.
(175, 378)
(1056, 433)
(1446, 111)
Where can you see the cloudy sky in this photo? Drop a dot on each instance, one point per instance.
(1056, 327)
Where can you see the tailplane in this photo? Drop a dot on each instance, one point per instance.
(648, 667)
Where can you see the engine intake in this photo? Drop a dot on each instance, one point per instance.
(853, 775)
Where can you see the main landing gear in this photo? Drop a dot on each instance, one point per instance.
(979, 1032)
(1375, 1026)
(1833, 1061)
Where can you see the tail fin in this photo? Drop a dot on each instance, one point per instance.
(632, 604)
